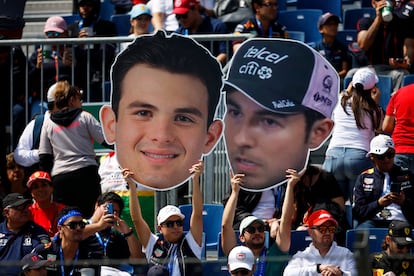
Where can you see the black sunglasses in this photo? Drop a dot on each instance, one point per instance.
(74, 224)
(170, 223)
(388, 154)
(183, 16)
(251, 229)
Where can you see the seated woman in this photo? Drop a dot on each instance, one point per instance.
(44, 210)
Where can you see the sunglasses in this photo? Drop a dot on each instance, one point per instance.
(241, 271)
(401, 246)
(388, 154)
(74, 224)
(268, 5)
(52, 34)
(323, 229)
(251, 229)
(170, 223)
(181, 16)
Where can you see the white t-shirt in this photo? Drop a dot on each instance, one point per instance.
(164, 6)
(346, 130)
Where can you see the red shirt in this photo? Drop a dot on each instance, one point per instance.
(401, 106)
(47, 217)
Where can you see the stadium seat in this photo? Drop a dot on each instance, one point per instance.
(122, 23)
(408, 79)
(375, 238)
(347, 37)
(212, 214)
(300, 239)
(303, 21)
(352, 16)
(71, 18)
(332, 6)
(107, 9)
(296, 35)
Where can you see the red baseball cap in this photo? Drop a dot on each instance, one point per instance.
(183, 6)
(319, 217)
(38, 175)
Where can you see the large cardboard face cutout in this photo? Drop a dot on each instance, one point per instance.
(164, 93)
(280, 95)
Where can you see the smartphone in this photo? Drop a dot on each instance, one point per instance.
(395, 187)
(110, 209)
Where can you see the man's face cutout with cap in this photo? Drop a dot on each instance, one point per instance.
(270, 85)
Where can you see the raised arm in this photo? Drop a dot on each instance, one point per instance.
(196, 220)
(228, 238)
(141, 226)
(283, 235)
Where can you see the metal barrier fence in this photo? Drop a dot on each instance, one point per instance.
(215, 179)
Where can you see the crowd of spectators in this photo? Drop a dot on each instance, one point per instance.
(48, 175)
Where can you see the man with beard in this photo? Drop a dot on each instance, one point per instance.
(252, 228)
(323, 256)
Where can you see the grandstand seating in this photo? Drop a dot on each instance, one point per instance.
(212, 215)
(408, 79)
(352, 16)
(122, 23)
(297, 35)
(346, 37)
(300, 239)
(304, 21)
(374, 241)
(332, 6)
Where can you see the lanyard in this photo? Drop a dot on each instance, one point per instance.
(62, 267)
(105, 242)
(259, 24)
(261, 263)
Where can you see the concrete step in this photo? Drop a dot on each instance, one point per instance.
(38, 11)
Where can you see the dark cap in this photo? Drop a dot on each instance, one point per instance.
(33, 261)
(14, 200)
(401, 232)
(157, 270)
(284, 76)
(325, 17)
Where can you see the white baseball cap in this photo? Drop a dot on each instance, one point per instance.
(249, 220)
(380, 144)
(168, 211)
(241, 257)
(51, 93)
(365, 76)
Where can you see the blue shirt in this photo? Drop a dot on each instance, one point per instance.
(13, 246)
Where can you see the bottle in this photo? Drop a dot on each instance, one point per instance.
(387, 11)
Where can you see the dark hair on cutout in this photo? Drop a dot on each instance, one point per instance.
(172, 53)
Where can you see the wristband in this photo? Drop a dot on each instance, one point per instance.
(126, 235)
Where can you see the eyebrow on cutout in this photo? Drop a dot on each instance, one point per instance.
(185, 110)
(260, 112)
